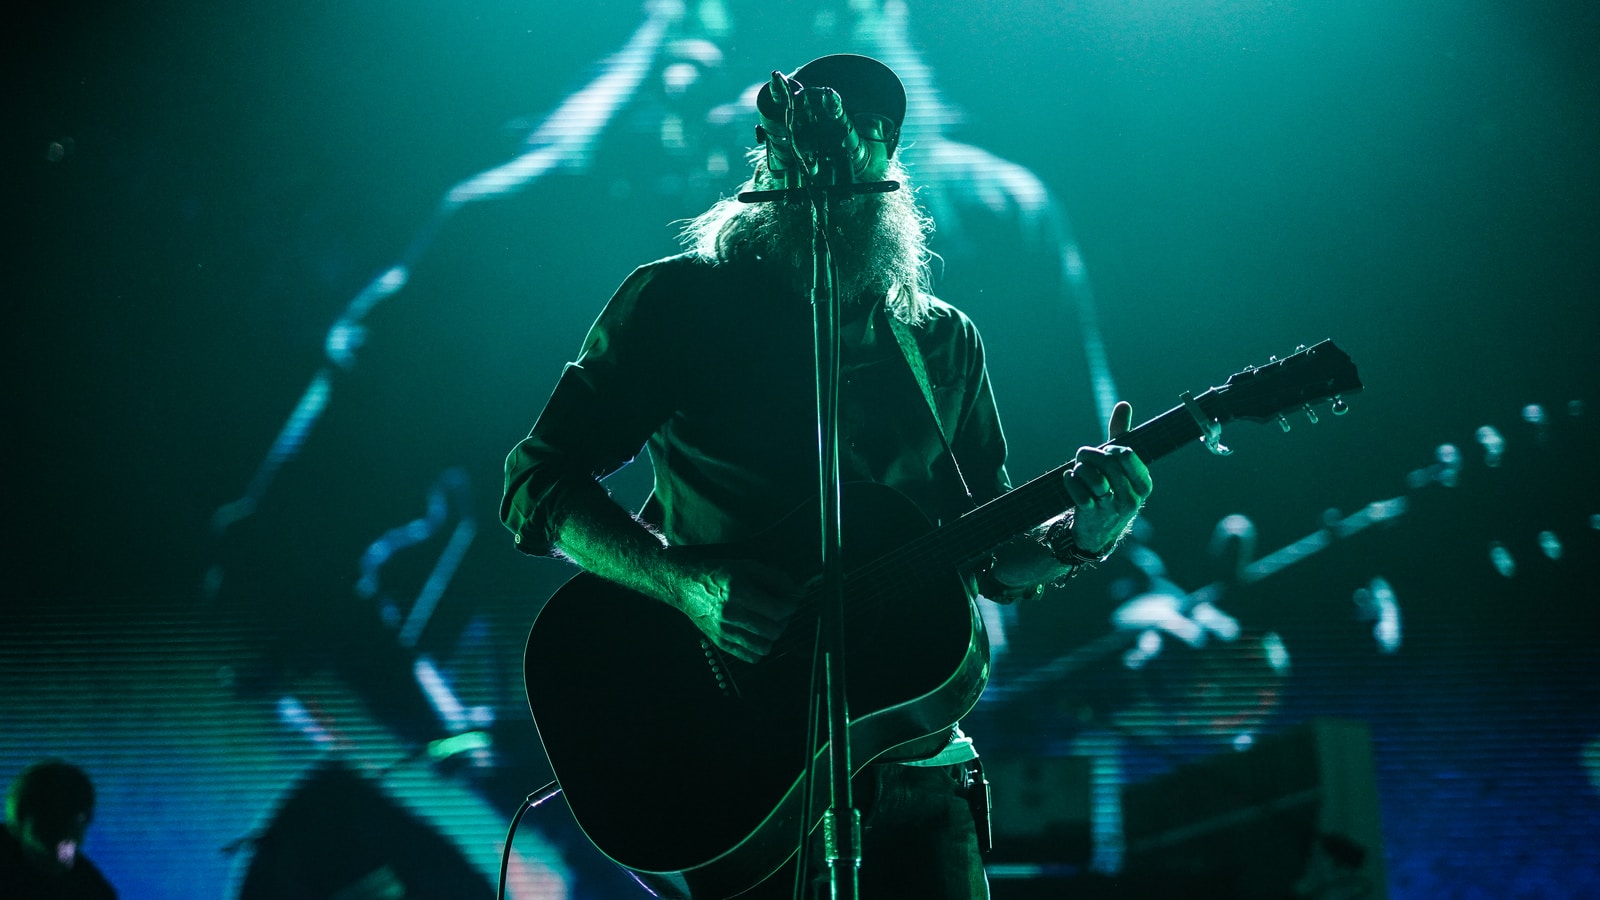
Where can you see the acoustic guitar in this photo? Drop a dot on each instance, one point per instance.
(685, 765)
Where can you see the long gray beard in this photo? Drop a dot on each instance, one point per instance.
(865, 254)
(879, 242)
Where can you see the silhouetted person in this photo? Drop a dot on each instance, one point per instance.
(48, 812)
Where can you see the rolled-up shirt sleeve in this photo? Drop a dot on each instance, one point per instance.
(604, 407)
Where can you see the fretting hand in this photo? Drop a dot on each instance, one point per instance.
(1108, 487)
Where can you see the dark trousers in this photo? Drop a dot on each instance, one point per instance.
(918, 839)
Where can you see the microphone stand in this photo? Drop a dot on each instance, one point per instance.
(820, 177)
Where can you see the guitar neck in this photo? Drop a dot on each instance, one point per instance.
(1258, 394)
(1042, 498)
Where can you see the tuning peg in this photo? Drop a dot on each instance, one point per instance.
(1283, 422)
(1339, 406)
(1311, 414)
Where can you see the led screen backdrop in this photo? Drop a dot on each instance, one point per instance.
(287, 281)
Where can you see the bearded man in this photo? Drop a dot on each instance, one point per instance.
(707, 358)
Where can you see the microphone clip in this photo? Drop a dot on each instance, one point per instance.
(815, 141)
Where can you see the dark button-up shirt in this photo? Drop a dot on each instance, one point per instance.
(710, 365)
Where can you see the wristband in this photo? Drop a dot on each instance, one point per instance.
(1064, 547)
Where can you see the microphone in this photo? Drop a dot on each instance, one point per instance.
(814, 136)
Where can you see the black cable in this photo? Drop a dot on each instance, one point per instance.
(528, 802)
(808, 782)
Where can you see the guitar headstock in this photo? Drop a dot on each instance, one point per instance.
(1310, 376)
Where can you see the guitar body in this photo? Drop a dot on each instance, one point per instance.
(685, 765)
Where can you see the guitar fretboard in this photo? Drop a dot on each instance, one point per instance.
(1014, 512)
(1309, 376)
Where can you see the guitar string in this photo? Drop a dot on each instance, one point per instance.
(1046, 496)
(987, 526)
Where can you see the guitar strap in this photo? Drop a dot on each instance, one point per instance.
(919, 371)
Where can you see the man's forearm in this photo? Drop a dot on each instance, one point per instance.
(605, 540)
(601, 537)
(1028, 559)
(1024, 561)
